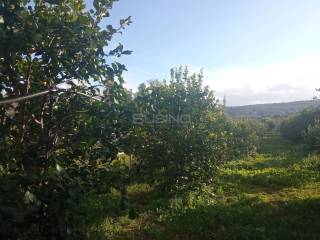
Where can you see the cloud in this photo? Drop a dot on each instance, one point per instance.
(278, 82)
(247, 95)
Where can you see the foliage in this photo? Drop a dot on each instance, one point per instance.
(59, 148)
(294, 128)
(244, 136)
(311, 135)
(54, 147)
(180, 136)
(303, 128)
(172, 153)
(273, 123)
(264, 197)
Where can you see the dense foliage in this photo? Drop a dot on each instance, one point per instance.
(311, 135)
(303, 128)
(246, 202)
(54, 146)
(244, 137)
(180, 132)
(183, 134)
(58, 146)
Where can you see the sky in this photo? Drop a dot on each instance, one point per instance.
(252, 51)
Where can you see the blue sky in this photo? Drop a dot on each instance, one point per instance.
(253, 51)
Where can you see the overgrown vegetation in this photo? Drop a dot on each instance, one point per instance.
(56, 146)
(183, 134)
(85, 158)
(303, 128)
(274, 195)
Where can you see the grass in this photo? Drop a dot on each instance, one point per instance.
(274, 195)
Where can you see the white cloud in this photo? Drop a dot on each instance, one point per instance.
(278, 82)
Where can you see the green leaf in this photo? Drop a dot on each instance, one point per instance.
(84, 20)
(30, 198)
(37, 37)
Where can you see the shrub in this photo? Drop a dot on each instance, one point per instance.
(50, 146)
(243, 137)
(182, 155)
(179, 154)
(311, 135)
(293, 128)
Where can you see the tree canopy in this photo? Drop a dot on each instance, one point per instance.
(56, 147)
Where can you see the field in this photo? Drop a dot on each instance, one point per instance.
(273, 195)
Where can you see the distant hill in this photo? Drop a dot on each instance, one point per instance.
(270, 109)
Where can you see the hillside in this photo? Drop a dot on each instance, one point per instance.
(271, 109)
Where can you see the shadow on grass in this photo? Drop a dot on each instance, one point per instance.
(273, 179)
(272, 172)
(273, 143)
(106, 220)
(285, 159)
(246, 219)
(99, 206)
(232, 213)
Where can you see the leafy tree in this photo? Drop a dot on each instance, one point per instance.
(180, 139)
(294, 127)
(53, 146)
(243, 137)
(311, 135)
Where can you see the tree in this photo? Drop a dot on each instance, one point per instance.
(243, 137)
(46, 142)
(311, 135)
(294, 127)
(180, 139)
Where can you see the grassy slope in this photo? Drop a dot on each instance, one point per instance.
(275, 195)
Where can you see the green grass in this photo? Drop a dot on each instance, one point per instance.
(275, 195)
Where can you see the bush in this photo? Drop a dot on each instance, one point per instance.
(179, 153)
(186, 154)
(311, 135)
(293, 128)
(244, 136)
(52, 147)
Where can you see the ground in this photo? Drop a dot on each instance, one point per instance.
(273, 195)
